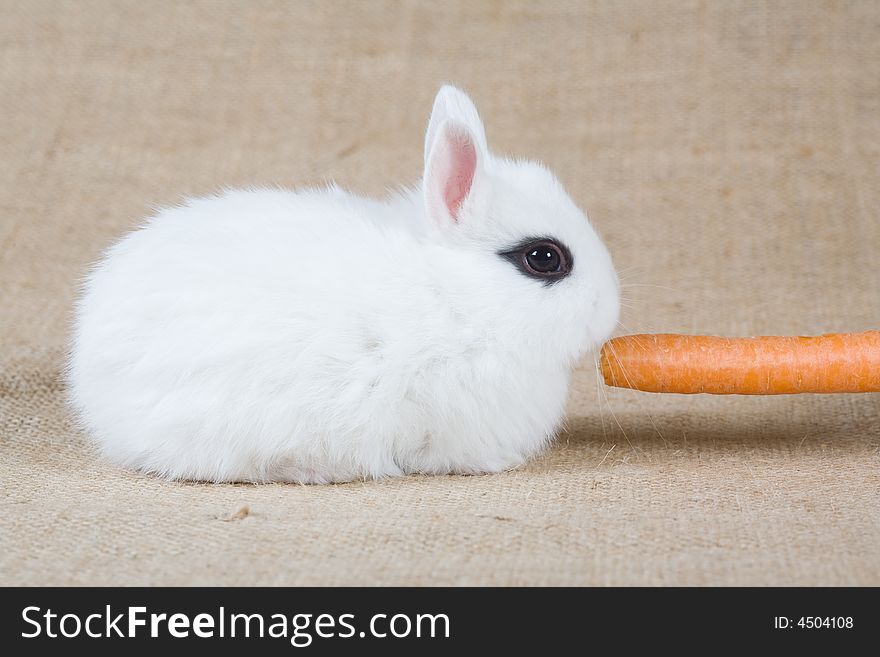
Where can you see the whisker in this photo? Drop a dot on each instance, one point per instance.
(662, 287)
(599, 398)
(613, 414)
(640, 343)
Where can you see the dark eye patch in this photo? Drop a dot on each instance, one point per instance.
(541, 258)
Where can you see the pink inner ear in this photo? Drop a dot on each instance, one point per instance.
(460, 175)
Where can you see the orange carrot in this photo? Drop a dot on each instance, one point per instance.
(767, 365)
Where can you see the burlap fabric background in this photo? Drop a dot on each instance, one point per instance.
(728, 152)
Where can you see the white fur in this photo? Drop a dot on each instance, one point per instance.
(317, 336)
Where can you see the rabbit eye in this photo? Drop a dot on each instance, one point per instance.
(544, 259)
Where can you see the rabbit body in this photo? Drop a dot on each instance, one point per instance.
(318, 336)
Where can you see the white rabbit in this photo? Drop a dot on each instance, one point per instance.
(317, 336)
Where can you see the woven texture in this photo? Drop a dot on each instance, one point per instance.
(728, 152)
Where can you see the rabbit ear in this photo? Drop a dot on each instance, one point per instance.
(452, 104)
(451, 172)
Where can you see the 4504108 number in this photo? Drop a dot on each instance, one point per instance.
(813, 622)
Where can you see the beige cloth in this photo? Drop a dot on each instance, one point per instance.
(728, 152)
